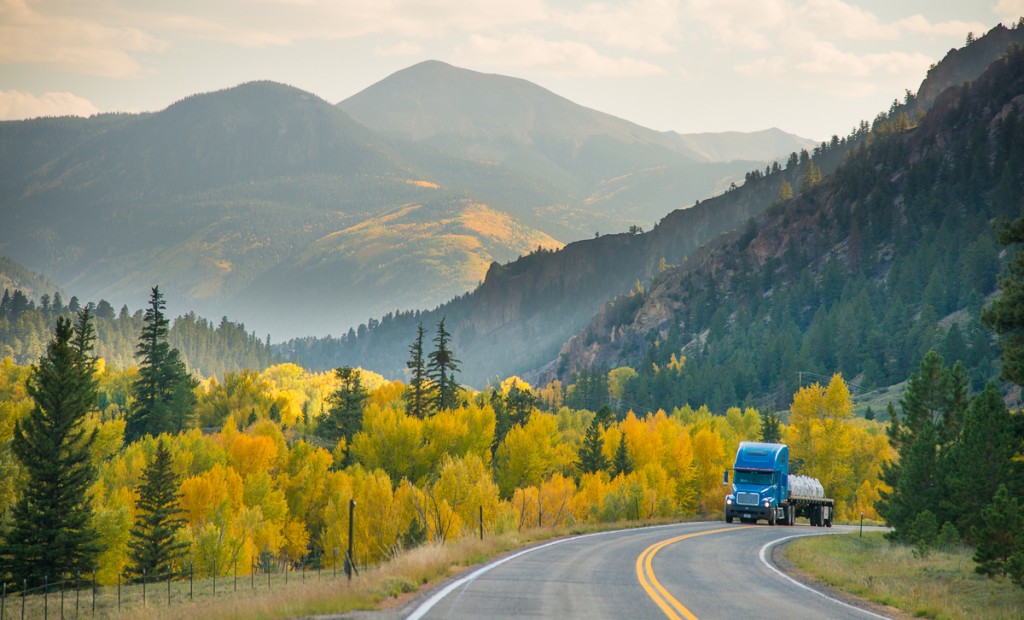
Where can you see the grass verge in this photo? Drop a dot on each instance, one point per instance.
(942, 585)
(378, 587)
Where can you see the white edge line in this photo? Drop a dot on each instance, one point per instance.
(428, 604)
(764, 560)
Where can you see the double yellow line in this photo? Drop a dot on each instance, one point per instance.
(645, 574)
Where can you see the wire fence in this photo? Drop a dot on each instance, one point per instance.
(83, 597)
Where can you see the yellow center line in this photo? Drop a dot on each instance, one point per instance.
(672, 608)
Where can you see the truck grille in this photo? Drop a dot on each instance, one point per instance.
(747, 499)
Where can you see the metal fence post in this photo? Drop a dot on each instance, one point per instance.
(94, 594)
(24, 590)
(215, 576)
(78, 584)
(168, 585)
(143, 588)
(348, 554)
(46, 596)
(481, 522)
(190, 581)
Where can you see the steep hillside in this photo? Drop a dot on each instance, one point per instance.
(518, 319)
(888, 257)
(218, 195)
(613, 166)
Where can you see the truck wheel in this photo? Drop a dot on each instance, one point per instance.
(728, 518)
(828, 522)
(771, 518)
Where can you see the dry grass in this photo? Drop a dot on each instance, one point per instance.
(309, 594)
(942, 585)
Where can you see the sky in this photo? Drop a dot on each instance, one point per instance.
(810, 67)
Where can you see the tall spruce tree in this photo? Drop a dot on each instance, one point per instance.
(442, 368)
(928, 412)
(164, 397)
(621, 463)
(417, 395)
(592, 458)
(154, 547)
(1006, 313)
(770, 429)
(50, 535)
(348, 402)
(980, 461)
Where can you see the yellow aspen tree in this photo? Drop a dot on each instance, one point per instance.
(555, 496)
(709, 458)
(526, 503)
(391, 440)
(589, 498)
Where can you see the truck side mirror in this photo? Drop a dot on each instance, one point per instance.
(725, 478)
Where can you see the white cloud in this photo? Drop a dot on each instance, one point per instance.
(16, 105)
(1009, 11)
(641, 25)
(738, 23)
(562, 58)
(402, 48)
(80, 44)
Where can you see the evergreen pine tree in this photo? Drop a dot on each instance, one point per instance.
(345, 417)
(591, 454)
(50, 535)
(154, 547)
(771, 432)
(164, 398)
(915, 478)
(981, 459)
(417, 395)
(1001, 535)
(502, 420)
(811, 176)
(441, 368)
(622, 464)
(519, 404)
(1005, 315)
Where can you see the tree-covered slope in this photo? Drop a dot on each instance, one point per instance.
(523, 312)
(891, 255)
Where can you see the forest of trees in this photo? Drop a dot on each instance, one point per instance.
(253, 474)
(207, 349)
(902, 257)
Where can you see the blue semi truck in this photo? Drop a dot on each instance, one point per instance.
(763, 488)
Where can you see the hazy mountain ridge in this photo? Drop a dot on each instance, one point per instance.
(517, 320)
(887, 258)
(219, 196)
(585, 153)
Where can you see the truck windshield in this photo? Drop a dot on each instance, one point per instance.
(753, 477)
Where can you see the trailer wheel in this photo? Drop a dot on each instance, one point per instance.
(792, 516)
(816, 516)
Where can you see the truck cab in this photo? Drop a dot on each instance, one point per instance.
(760, 486)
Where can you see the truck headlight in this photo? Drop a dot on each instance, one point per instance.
(767, 504)
(728, 501)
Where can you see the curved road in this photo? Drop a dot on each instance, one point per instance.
(691, 570)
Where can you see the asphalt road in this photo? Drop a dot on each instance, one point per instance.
(693, 571)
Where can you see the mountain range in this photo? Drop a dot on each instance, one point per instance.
(617, 300)
(300, 217)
